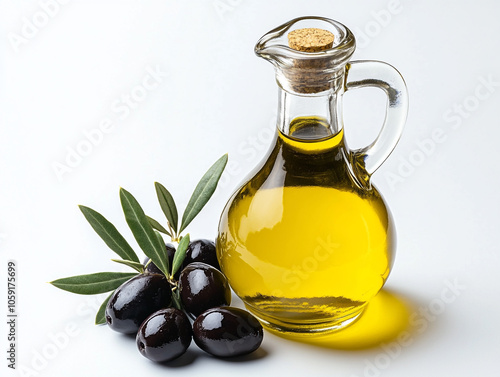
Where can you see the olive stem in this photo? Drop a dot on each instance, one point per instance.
(174, 235)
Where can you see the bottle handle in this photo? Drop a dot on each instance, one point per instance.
(368, 73)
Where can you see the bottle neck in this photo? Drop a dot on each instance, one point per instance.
(310, 117)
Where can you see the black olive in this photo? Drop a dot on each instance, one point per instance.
(227, 332)
(201, 251)
(135, 300)
(164, 335)
(203, 287)
(152, 268)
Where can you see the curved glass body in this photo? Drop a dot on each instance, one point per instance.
(301, 243)
(307, 240)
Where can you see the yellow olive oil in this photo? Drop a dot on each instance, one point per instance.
(303, 243)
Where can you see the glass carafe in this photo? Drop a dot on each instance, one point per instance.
(308, 240)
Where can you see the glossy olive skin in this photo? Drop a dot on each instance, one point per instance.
(201, 251)
(227, 332)
(152, 268)
(203, 287)
(164, 335)
(135, 300)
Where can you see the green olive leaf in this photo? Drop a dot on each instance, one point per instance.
(165, 256)
(180, 254)
(156, 225)
(139, 267)
(167, 205)
(93, 284)
(203, 191)
(100, 318)
(143, 231)
(109, 234)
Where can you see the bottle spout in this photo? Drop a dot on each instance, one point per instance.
(309, 53)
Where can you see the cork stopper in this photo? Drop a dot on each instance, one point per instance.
(310, 40)
(310, 75)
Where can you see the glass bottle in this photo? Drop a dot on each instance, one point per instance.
(308, 240)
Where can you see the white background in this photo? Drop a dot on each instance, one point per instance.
(215, 96)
